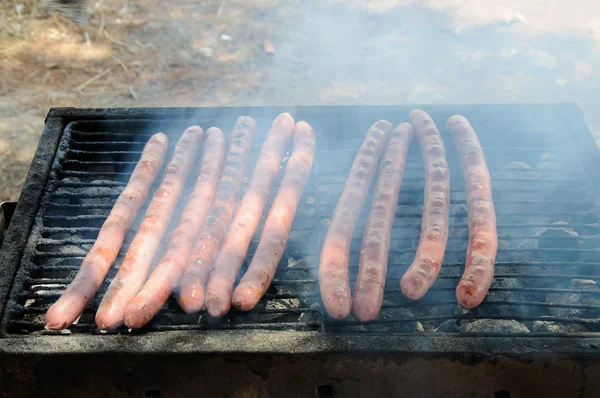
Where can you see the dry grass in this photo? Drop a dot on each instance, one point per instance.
(142, 53)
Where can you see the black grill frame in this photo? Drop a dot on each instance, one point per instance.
(278, 341)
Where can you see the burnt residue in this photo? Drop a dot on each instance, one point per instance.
(547, 268)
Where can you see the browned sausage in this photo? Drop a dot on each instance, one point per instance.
(133, 271)
(333, 270)
(434, 228)
(275, 234)
(236, 242)
(372, 269)
(102, 255)
(195, 275)
(483, 238)
(165, 276)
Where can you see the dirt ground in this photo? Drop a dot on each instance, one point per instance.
(142, 53)
(207, 53)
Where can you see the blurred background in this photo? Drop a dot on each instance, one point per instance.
(128, 53)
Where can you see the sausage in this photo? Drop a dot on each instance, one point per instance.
(335, 254)
(372, 268)
(195, 274)
(483, 237)
(436, 207)
(165, 276)
(103, 253)
(236, 242)
(133, 271)
(277, 227)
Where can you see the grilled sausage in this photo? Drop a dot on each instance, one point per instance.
(165, 276)
(483, 237)
(372, 269)
(103, 253)
(236, 242)
(434, 227)
(276, 232)
(195, 275)
(333, 270)
(133, 271)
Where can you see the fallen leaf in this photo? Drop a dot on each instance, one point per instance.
(176, 14)
(268, 47)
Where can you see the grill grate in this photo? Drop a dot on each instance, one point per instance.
(547, 270)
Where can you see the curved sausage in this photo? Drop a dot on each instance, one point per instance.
(372, 268)
(165, 276)
(195, 275)
(333, 270)
(436, 207)
(134, 269)
(483, 237)
(103, 253)
(273, 240)
(244, 224)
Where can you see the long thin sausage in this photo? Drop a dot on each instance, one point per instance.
(436, 207)
(372, 268)
(165, 276)
(103, 253)
(195, 275)
(333, 270)
(276, 232)
(133, 271)
(483, 237)
(244, 224)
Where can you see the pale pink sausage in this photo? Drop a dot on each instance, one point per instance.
(335, 254)
(165, 276)
(134, 269)
(244, 224)
(436, 208)
(273, 240)
(372, 268)
(483, 237)
(103, 253)
(195, 275)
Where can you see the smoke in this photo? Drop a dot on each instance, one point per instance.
(406, 52)
(342, 52)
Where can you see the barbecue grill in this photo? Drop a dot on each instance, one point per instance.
(537, 332)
